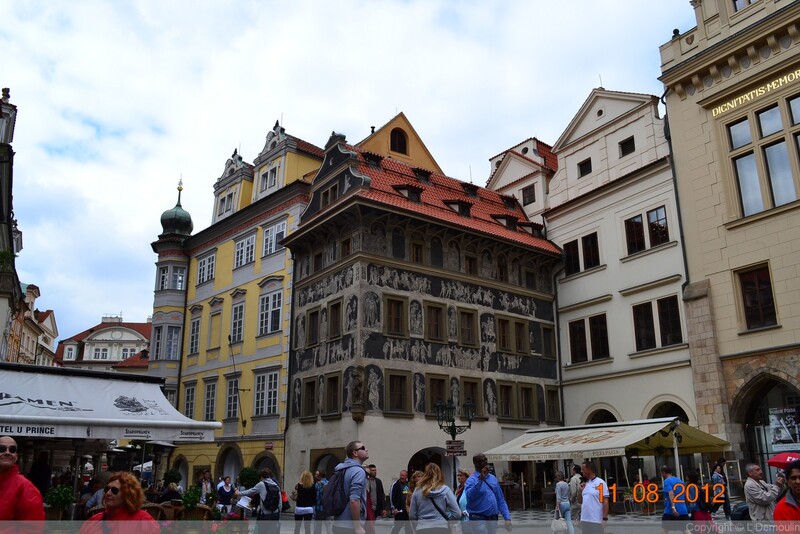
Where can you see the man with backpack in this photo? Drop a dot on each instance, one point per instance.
(345, 496)
(269, 495)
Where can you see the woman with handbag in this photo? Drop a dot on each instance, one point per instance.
(433, 504)
(305, 497)
(562, 519)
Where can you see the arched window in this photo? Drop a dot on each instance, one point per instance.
(399, 141)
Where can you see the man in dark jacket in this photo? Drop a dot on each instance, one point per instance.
(397, 496)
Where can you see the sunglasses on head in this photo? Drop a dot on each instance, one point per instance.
(114, 490)
(10, 448)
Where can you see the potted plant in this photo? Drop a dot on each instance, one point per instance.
(172, 475)
(191, 497)
(59, 498)
(248, 477)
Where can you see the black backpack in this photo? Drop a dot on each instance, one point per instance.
(271, 504)
(334, 496)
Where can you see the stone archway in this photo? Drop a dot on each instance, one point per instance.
(327, 464)
(182, 467)
(229, 462)
(601, 416)
(669, 409)
(267, 460)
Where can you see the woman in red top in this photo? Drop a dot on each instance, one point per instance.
(123, 498)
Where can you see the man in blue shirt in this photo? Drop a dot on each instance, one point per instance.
(485, 499)
(676, 514)
(355, 485)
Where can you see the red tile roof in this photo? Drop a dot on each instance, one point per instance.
(544, 150)
(440, 189)
(138, 360)
(305, 146)
(42, 315)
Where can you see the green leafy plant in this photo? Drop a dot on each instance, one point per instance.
(172, 475)
(191, 497)
(59, 497)
(248, 477)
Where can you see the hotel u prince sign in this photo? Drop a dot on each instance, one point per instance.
(758, 92)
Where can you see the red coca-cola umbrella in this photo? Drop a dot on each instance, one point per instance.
(783, 459)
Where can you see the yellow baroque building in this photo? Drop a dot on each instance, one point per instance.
(221, 309)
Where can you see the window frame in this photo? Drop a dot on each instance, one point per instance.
(742, 297)
(210, 401)
(273, 234)
(473, 340)
(308, 403)
(433, 309)
(194, 335)
(172, 343)
(587, 341)
(478, 385)
(581, 252)
(511, 402)
(206, 267)
(313, 334)
(528, 195)
(430, 379)
(627, 147)
(244, 251)
(265, 398)
(232, 398)
(753, 182)
(332, 383)
(402, 302)
(551, 353)
(585, 167)
(237, 322)
(407, 399)
(552, 416)
(651, 311)
(530, 388)
(267, 322)
(335, 319)
(189, 394)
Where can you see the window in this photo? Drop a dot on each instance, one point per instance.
(548, 342)
(757, 298)
(584, 167)
(178, 277)
(398, 141)
(738, 5)
(527, 402)
(668, 326)
(399, 392)
(232, 399)
(417, 255)
(69, 354)
(157, 335)
(335, 320)
(593, 348)
(471, 390)
(521, 337)
(163, 278)
(435, 322)
(172, 348)
(269, 312)
(244, 251)
(194, 336)
(211, 402)
(264, 182)
(347, 247)
(318, 262)
(763, 152)
(436, 391)
(272, 236)
(237, 322)
(188, 402)
(273, 176)
(553, 404)
(205, 269)
(503, 334)
(266, 394)
(332, 394)
(506, 402)
(312, 323)
(128, 352)
(468, 328)
(502, 269)
(657, 230)
(471, 265)
(329, 195)
(589, 254)
(308, 407)
(529, 195)
(396, 316)
(626, 147)
(100, 354)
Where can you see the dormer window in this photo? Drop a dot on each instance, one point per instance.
(470, 189)
(509, 221)
(399, 141)
(510, 203)
(329, 195)
(459, 206)
(424, 176)
(373, 160)
(412, 193)
(532, 228)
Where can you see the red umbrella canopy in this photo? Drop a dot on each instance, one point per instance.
(783, 459)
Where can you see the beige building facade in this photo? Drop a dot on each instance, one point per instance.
(733, 107)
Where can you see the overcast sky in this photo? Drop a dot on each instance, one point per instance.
(117, 100)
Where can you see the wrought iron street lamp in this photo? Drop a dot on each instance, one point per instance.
(446, 418)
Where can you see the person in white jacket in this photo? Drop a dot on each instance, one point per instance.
(433, 504)
(760, 496)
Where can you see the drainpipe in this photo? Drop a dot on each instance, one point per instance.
(668, 137)
(557, 332)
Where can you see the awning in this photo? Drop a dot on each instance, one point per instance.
(49, 402)
(645, 437)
